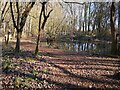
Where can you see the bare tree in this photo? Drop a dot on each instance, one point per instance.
(89, 16)
(113, 32)
(42, 25)
(4, 11)
(119, 16)
(85, 16)
(20, 22)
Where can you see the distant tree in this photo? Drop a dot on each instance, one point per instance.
(119, 16)
(3, 12)
(80, 18)
(113, 31)
(7, 37)
(89, 8)
(85, 16)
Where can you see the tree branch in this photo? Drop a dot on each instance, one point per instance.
(73, 2)
(43, 9)
(25, 14)
(49, 13)
(45, 19)
(13, 16)
(3, 11)
(17, 6)
(4, 8)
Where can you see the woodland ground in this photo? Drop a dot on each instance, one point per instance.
(55, 68)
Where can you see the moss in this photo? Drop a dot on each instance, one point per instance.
(6, 65)
(30, 60)
(26, 83)
(34, 72)
(18, 81)
(45, 70)
(28, 79)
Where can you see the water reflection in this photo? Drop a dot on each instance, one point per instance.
(91, 47)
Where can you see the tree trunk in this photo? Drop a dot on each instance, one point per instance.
(7, 38)
(80, 15)
(43, 24)
(38, 39)
(17, 48)
(20, 24)
(93, 27)
(83, 27)
(99, 27)
(85, 17)
(3, 11)
(119, 16)
(89, 17)
(113, 33)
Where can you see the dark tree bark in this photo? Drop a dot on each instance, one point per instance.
(38, 38)
(89, 17)
(83, 26)
(85, 17)
(19, 23)
(113, 32)
(119, 16)
(17, 48)
(7, 38)
(3, 12)
(80, 15)
(43, 24)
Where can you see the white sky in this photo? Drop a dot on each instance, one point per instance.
(66, 0)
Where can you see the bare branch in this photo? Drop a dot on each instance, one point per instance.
(4, 7)
(43, 9)
(3, 11)
(49, 13)
(25, 14)
(45, 19)
(17, 6)
(13, 16)
(73, 2)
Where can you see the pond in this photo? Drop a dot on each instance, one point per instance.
(90, 47)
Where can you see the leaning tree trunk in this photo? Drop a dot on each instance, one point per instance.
(43, 24)
(113, 33)
(38, 38)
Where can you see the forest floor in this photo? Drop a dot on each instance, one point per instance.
(55, 68)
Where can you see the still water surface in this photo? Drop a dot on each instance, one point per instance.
(90, 47)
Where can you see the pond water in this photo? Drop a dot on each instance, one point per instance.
(90, 47)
